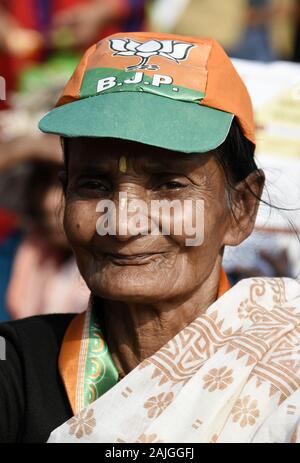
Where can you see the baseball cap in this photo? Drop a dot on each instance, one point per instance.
(170, 91)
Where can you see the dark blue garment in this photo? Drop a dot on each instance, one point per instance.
(43, 14)
(7, 254)
(136, 19)
(255, 43)
(258, 3)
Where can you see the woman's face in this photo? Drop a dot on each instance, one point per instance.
(143, 267)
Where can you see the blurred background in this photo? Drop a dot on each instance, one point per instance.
(41, 42)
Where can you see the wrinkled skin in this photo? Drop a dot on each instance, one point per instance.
(166, 284)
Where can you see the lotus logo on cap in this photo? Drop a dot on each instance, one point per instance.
(170, 49)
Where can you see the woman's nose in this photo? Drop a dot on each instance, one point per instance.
(132, 215)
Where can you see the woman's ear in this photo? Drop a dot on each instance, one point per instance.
(244, 206)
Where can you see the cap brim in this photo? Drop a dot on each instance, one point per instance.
(144, 118)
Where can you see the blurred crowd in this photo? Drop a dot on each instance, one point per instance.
(40, 44)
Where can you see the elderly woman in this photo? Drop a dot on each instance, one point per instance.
(159, 177)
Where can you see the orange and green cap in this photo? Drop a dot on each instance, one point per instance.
(175, 92)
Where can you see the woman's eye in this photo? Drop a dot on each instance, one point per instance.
(93, 185)
(172, 185)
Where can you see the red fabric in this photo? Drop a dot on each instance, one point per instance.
(8, 223)
(62, 4)
(24, 13)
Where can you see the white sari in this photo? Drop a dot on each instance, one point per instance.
(232, 375)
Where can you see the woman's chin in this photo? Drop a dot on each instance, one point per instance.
(131, 297)
(128, 290)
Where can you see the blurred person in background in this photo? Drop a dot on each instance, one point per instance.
(224, 21)
(30, 30)
(39, 271)
(20, 145)
(44, 276)
(250, 29)
(255, 42)
(15, 157)
(269, 31)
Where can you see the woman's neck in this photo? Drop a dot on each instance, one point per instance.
(136, 331)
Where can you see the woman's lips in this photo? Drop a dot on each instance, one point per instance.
(132, 259)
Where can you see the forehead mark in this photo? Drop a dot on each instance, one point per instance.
(123, 164)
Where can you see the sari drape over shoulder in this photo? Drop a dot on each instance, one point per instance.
(232, 375)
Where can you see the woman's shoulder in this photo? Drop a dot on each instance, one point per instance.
(29, 378)
(39, 334)
(50, 324)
